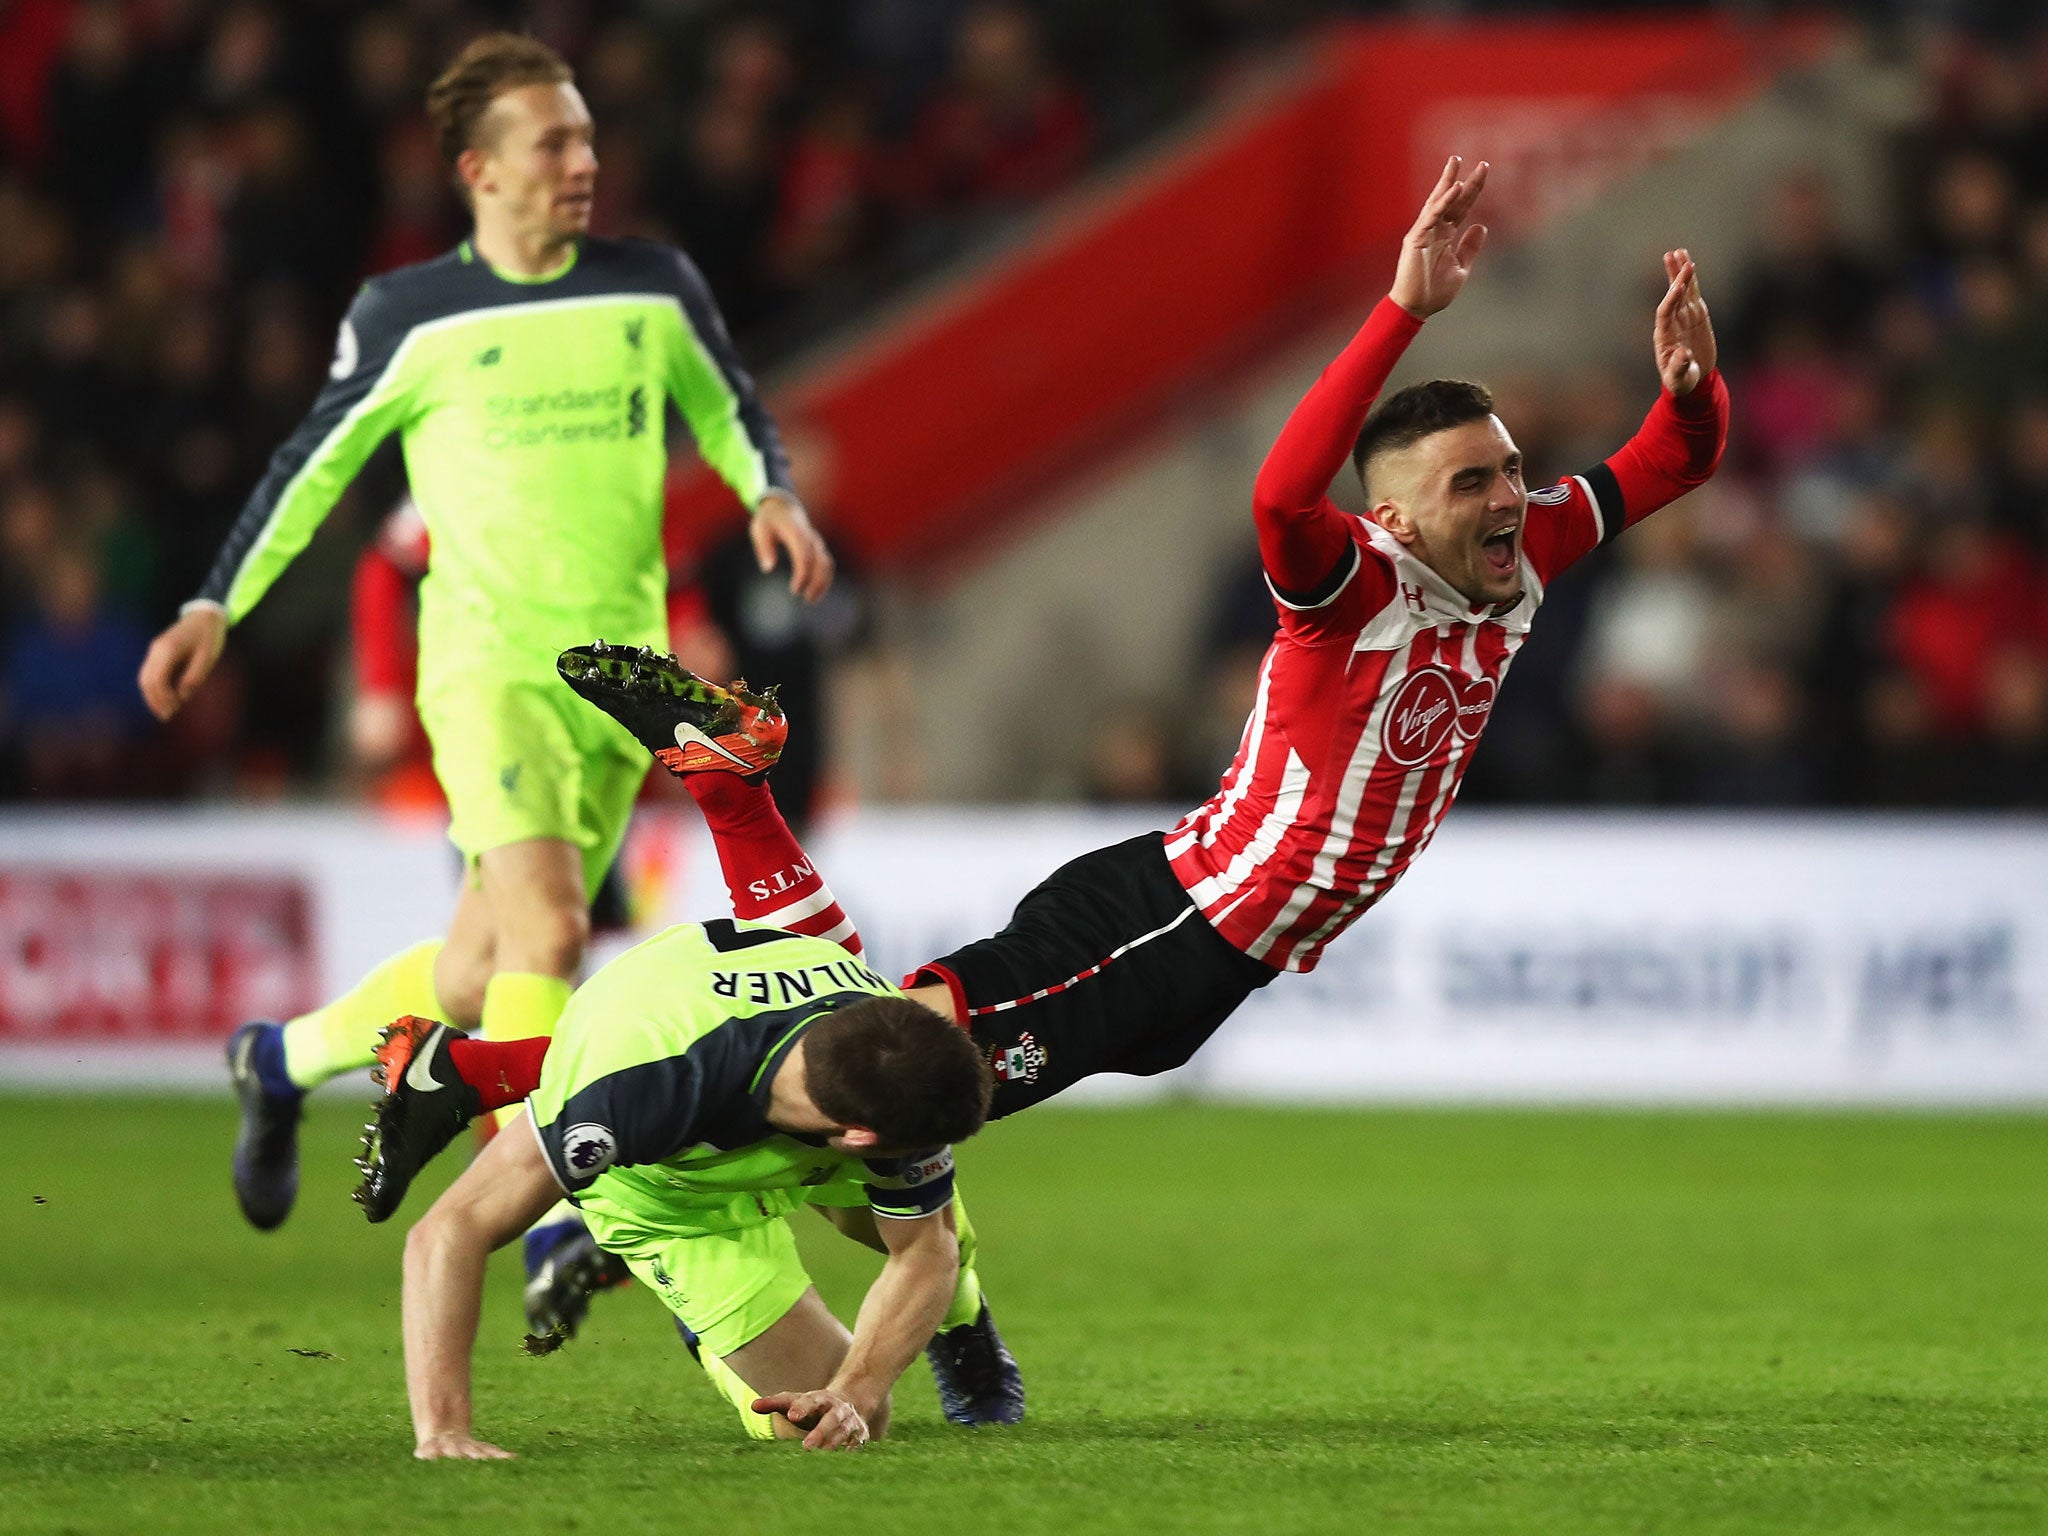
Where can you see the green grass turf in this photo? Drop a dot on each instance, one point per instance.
(1231, 1321)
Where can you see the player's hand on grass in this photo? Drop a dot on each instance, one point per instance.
(180, 658)
(456, 1445)
(781, 523)
(1684, 333)
(1437, 254)
(834, 1423)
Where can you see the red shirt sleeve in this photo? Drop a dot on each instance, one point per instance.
(1677, 448)
(380, 623)
(1305, 540)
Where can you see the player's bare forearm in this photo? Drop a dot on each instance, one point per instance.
(443, 1293)
(902, 1308)
(499, 1196)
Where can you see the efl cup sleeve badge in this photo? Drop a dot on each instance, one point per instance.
(1019, 1063)
(346, 352)
(923, 1170)
(589, 1149)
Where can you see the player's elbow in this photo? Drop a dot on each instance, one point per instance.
(444, 1231)
(555, 939)
(1275, 498)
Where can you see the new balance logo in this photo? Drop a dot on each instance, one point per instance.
(488, 358)
(634, 328)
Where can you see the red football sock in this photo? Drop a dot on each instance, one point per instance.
(501, 1071)
(767, 874)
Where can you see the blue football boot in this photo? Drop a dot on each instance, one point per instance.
(978, 1381)
(267, 1145)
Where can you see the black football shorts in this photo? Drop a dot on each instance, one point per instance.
(1106, 966)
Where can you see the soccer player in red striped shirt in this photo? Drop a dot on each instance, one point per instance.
(1395, 632)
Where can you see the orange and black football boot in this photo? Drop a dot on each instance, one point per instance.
(425, 1106)
(689, 724)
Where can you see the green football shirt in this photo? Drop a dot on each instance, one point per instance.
(532, 416)
(654, 1095)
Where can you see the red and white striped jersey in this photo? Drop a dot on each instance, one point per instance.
(1382, 676)
(1368, 709)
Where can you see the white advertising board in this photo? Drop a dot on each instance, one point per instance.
(1538, 958)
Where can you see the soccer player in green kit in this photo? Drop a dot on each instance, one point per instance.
(704, 1087)
(527, 373)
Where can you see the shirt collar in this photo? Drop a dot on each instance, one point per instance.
(760, 1090)
(1440, 599)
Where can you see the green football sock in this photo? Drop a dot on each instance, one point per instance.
(967, 1293)
(342, 1036)
(521, 1004)
(759, 1426)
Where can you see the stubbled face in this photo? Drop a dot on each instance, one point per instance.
(534, 169)
(1457, 501)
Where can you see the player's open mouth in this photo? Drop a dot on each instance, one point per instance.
(1499, 549)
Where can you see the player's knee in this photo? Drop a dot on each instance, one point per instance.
(459, 982)
(878, 1421)
(547, 939)
(421, 1240)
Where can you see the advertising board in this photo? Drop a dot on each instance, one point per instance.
(1536, 958)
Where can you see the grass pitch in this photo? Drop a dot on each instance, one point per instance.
(1230, 1321)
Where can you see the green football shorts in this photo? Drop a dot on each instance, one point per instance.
(729, 1271)
(522, 759)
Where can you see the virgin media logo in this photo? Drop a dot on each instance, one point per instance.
(1429, 705)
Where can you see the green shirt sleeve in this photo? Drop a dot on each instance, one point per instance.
(365, 399)
(735, 434)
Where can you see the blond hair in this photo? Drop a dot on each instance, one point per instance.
(495, 63)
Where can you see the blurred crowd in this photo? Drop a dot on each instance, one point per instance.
(190, 191)
(1854, 613)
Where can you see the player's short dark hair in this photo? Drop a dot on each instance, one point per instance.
(894, 1066)
(1409, 415)
(495, 63)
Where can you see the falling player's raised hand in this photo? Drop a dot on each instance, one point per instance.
(1437, 255)
(1684, 333)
